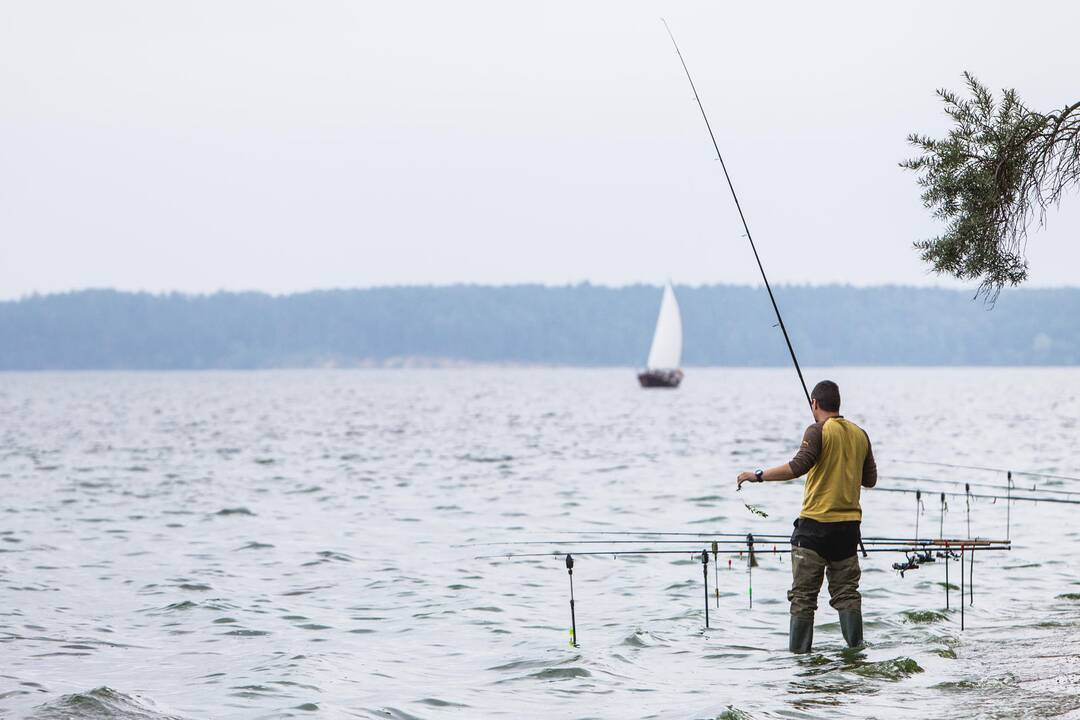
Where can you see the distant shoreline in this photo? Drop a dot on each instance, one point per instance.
(967, 291)
(629, 371)
(533, 326)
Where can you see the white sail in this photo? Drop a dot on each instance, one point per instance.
(666, 350)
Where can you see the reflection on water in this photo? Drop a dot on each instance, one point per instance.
(282, 544)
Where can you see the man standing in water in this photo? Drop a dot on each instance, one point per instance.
(836, 455)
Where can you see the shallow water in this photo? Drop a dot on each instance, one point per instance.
(276, 544)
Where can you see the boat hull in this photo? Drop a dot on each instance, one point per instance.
(660, 378)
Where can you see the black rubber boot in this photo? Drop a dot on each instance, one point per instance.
(851, 626)
(801, 634)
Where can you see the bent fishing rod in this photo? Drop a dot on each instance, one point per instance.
(746, 226)
(742, 216)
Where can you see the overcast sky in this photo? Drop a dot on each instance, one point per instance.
(277, 146)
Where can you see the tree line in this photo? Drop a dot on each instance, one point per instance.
(582, 325)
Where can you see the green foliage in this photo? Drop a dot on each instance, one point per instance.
(999, 168)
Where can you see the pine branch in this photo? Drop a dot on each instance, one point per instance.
(998, 170)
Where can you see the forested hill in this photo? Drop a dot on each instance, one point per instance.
(531, 324)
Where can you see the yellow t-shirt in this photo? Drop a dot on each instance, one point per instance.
(838, 460)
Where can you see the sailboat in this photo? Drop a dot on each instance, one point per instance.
(662, 369)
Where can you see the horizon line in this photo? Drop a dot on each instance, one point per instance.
(37, 295)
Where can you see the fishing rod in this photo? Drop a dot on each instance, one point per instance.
(680, 534)
(915, 553)
(758, 538)
(647, 535)
(992, 486)
(990, 469)
(605, 542)
(742, 216)
(694, 551)
(1011, 498)
(1010, 489)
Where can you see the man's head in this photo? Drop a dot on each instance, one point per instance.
(825, 399)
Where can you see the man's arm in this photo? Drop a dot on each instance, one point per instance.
(780, 472)
(799, 465)
(869, 467)
(808, 453)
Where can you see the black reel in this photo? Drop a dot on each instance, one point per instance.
(911, 563)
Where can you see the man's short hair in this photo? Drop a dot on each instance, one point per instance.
(827, 394)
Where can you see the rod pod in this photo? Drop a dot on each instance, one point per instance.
(573, 620)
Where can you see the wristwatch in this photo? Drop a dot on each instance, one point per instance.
(758, 474)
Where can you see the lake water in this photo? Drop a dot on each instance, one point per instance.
(303, 544)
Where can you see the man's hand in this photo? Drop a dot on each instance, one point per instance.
(744, 477)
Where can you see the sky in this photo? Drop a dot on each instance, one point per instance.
(289, 146)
